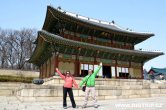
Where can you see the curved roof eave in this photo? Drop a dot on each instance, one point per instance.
(110, 27)
(85, 45)
(44, 37)
(38, 50)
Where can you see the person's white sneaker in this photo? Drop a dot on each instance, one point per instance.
(95, 106)
(84, 106)
(75, 107)
(65, 107)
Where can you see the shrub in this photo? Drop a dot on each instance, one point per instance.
(5, 78)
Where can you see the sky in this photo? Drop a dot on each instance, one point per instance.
(138, 15)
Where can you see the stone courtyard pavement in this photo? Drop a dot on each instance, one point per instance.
(155, 103)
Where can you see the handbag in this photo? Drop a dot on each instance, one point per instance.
(38, 81)
(84, 87)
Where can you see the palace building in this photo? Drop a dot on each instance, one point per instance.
(77, 43)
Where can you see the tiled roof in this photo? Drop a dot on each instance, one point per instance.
(56, 38)
(159, 70)
(99, 23)
(46, 41)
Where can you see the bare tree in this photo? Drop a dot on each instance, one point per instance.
(24, 43)
(15, 47)
(3, 49)
(29, 45)
(11, 48)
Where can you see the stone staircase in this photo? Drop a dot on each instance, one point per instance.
(8, 88)
(51, 90)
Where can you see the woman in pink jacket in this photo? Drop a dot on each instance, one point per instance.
(67, 87)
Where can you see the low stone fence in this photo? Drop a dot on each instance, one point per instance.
(52, 90)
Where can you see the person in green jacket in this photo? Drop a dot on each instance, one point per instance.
(90, 86)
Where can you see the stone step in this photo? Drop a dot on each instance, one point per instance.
(99, 81)
(7, 92)
(8, 88)
(32, 92)
(10, 84)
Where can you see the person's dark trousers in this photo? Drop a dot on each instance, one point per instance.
(70, 92)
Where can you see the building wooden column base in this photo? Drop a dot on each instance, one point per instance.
(77, 68)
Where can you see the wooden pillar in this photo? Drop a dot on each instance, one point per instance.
(129, 69)
(76, 67)
(142, 71)
(77, 64)
(40, 75)
(95, 61)
(55, 61)
(95, 58)
(129, 64)
(115, 68)
(42, 71)
(46, 70)
(49, 67)
(52, 66)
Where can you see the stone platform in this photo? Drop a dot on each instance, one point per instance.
(106, 89)
(8, 88)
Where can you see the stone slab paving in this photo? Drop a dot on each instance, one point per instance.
(155, 103)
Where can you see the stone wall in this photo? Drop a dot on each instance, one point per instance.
(8, 88)
(135, 72)
(52, 90)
